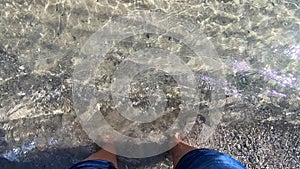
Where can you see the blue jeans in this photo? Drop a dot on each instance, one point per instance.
(196, 159)
(94, 164)
(208, 159)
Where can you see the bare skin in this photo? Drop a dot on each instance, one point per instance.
(179, 151)
(102, 154)
(176, 152)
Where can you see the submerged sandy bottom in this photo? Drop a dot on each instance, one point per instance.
(257, 41)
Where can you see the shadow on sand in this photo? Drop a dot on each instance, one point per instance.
(65, 158)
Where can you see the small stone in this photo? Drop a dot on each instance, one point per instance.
(225, 1)
(32, 23)
(22, 67)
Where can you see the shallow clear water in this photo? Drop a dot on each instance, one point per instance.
(258, 46)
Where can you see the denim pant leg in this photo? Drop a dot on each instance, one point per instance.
(208, 159)
(94, 164)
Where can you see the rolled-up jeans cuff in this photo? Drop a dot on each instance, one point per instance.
(94, 164)
(208, 159)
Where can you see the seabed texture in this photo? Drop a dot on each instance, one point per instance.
(258, 40)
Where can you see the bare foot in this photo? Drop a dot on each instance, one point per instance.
(180, 150)
(103, 154)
